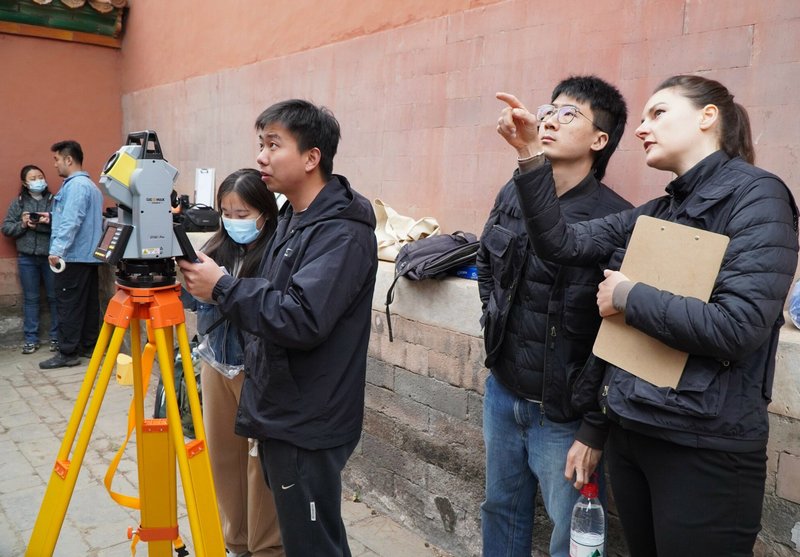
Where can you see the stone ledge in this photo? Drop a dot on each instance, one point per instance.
(453, 304)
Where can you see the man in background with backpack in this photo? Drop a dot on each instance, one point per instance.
(540, 320)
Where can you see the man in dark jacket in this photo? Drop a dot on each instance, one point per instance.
(306, 322)
(540, 320)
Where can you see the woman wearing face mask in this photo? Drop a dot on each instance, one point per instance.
(687, 465)
(247, 510)
(28, 222)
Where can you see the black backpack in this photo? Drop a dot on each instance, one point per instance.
(181, 393)
(431, 257)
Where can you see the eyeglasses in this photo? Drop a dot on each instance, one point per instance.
(564, 114)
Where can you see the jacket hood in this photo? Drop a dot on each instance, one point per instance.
(337, 199)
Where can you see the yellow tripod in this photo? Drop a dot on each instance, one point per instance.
(159, 442)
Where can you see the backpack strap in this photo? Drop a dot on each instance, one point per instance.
(389, 300)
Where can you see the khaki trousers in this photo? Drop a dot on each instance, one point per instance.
(246, 506)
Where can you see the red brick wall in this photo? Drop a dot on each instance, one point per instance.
(54, 90)
(415, 93)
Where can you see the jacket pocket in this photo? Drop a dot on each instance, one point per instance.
(499, 242)
(705, 211)
(279, 386)
(700, 393)
(587, 385)
(581, 318)
(493, 332)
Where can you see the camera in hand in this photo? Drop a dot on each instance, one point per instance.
(34, 217)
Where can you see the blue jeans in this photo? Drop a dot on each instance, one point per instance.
(33, 270)
(525, 452)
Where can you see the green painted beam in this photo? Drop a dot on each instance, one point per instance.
(58, 16)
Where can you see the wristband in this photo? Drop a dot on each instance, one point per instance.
(529, 159)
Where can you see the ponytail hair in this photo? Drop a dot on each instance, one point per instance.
(743, 143)
(735, 136)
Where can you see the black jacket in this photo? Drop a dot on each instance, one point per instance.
(306, 323)
(29, 241)
(722, 397)
(539, 318)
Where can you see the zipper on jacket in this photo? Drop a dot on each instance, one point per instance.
(512, 291)
(604, 404)
(541, 414)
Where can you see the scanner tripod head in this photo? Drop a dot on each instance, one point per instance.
(144, 241)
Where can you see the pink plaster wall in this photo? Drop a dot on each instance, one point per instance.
(416, 102)
(50, 91)
(170, 41)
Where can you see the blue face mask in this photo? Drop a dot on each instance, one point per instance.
(241, 231)
(37, 186)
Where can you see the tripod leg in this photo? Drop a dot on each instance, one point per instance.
(65, 474)
(193, 461)
(156, 462)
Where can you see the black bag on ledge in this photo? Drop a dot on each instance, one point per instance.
(431, 257)
(200, 218)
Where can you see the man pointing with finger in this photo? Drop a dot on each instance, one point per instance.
(540, 318)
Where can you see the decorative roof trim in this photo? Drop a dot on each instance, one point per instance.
(102, 6)
(12, 28)
(98, 23)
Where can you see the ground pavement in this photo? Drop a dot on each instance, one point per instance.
(35, 406)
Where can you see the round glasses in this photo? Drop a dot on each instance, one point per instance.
(564, 114)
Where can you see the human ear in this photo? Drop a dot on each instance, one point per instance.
(708, 116)
(313, 158)
(599, 142)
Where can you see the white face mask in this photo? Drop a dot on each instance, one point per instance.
(242, 231)
(37, 186)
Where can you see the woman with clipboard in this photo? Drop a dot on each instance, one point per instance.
(687, 464)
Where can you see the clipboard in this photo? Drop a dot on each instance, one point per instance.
(672, 257)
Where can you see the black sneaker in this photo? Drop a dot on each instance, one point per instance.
(60, 360)
(30, 347)
(53, 345)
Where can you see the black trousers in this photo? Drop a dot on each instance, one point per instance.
(78, 305)
(307, 487)
(677, 501)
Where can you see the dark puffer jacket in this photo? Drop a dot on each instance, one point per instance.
(306, 320)
(722, 397)
(539, 318)
(30, 241)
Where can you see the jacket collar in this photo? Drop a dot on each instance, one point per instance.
(682, 186)
(584, 187)
(336, 200)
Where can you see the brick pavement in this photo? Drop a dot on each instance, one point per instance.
(35, 406)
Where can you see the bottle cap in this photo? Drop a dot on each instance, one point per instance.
(589, 490)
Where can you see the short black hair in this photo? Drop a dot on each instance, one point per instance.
(310, 125)
(69, 148)
(609, 109)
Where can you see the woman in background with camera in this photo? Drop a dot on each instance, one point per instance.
(28, 222)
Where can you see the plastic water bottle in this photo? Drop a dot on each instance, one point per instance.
(587, 534)
(794, 305)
